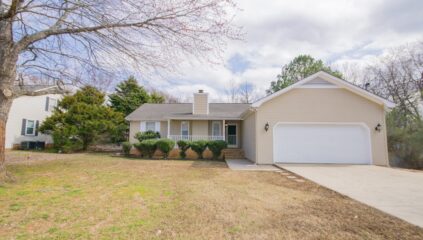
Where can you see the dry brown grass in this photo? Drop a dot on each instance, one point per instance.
(91, 196)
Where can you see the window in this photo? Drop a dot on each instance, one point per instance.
(150, 126)
(51, 103)
(216, 128)
(30, 127)
(185, 128)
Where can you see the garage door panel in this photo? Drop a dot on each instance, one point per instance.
(322, 143)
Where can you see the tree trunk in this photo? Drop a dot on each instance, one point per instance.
(8, 60)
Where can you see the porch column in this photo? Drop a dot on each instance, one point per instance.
(168, 128)
(223, 130)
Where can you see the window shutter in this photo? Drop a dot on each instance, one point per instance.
(47, 102)
(157, 127)
(37, 123)
(142, 127)
(23, 127)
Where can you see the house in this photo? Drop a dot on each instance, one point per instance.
(25, 116)
(320, 119)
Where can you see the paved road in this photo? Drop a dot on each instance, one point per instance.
(398, 192)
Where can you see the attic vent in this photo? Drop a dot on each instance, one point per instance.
(201, 91)
(318, 83)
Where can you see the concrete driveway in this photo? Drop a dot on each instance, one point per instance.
(398, 192)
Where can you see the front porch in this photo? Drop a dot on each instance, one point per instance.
(209, 130)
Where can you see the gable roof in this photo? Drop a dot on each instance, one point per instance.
(332, 80)
(217, 111)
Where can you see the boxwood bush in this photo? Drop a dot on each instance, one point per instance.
(141, 136)
(216, 147)
(147, 147)
(199, 147)
(165, 145)
(126, 148)
(183, 146)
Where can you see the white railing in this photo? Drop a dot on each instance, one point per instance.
(195, 137)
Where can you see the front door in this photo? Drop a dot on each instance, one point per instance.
(232, 136)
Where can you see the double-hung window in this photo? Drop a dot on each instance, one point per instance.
(216, 128)
(30, 127)
(184, 129)
(51, 103)
(150, 126)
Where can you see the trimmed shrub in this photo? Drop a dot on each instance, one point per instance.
(183, 146)
(141, 136)
(126, 148)
(165, 145)
(147, 147)
(199, 147)
(216, 147)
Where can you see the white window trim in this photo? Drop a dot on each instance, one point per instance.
(26, 128)
(220, 128)
(150, 122)
(187, 122)
(50, 106)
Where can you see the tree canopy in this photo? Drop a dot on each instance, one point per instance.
(129, 95)
(299, 68)
(81, 118)
(67, 40)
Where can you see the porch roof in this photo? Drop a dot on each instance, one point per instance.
(183, 111)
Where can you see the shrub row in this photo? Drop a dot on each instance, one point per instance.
(149, 146)
(200, 146)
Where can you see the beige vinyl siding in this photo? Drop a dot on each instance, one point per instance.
(320, 105)
(200, 128)
(200, 105)
(163, 129)
(175, 127)
(249, 137)
(134, 127)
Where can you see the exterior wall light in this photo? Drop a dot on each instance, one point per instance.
(378, 127)
(266, 126)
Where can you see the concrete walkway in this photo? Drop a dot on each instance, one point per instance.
(398, 192)
(245, 165)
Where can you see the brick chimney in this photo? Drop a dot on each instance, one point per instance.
(201, 103)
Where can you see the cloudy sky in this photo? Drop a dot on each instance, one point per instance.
(336, 31)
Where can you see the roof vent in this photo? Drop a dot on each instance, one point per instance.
(201, 91)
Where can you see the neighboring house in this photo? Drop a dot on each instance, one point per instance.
(320, 119)
(25, 116)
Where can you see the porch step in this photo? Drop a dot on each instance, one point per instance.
(233, 153)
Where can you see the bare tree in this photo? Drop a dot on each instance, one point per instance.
(168, 98)
(63, 38)
(245, 92)
(352, 72)
(232, 91)
(398, 76)
(239, 93)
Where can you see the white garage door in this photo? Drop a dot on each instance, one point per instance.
(321, 143)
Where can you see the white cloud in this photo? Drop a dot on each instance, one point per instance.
(337, 31)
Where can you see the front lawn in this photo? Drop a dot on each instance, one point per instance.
(94, 196)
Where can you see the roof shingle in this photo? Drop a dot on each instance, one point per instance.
(150, 111)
